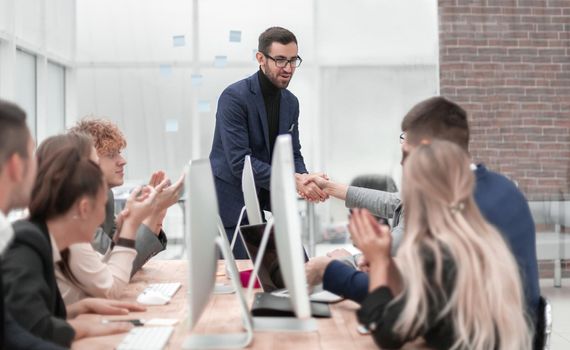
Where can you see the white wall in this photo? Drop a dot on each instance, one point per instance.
(365, 63)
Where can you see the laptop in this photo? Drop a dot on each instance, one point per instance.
(269, 274)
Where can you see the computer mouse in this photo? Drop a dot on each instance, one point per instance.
(152, 298)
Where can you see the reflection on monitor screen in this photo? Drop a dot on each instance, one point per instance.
(269, 272)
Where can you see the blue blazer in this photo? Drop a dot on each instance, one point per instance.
(241, 129)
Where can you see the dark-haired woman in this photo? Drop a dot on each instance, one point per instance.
(67, 205)
(82, 271)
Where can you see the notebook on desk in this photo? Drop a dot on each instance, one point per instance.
(269, 273)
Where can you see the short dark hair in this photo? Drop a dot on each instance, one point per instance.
(439, 118)
(14, 133)
(275, 34)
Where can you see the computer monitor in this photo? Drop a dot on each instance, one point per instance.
(202, 240)
(288, 225)
(250, 199)
(250, 193)
(288, 241)
(269, 271)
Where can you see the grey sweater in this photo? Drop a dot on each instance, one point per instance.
(380, 203)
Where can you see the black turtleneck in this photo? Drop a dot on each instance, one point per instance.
(272, 98)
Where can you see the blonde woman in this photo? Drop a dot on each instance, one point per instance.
(456, 284)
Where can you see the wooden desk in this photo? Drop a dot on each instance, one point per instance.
(222, 315)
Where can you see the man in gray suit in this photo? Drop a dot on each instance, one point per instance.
(150, 239)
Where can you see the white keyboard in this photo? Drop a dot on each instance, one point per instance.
(166, 289)
(146, 338)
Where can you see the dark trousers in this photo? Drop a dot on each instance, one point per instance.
(239, 249)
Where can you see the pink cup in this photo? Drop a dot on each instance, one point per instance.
(244, 277)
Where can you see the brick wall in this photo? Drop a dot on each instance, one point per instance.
(508, 63)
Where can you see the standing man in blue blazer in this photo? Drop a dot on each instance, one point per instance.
(251, 113)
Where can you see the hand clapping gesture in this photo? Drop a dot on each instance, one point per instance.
(372, 238)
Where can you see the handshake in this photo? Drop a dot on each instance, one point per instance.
(312, 187)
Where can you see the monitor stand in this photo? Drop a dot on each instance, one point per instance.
(259, 258)
(232, 340)
(285, 324)
(222, 288)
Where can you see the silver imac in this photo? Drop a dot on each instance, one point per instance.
(251, 206)
(202, 241)
(250, 193)
(288, 241)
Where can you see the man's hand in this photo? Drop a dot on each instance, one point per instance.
(321, 181)
(168, 193)
(140, 204)
(363, 264)
(329, 187)
(308, 189)
(315, 269)
(339, 254)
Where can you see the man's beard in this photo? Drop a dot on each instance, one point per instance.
(275, 78)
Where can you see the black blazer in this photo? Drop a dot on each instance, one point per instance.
(31, 294)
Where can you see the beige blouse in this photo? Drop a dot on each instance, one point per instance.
(102, 276)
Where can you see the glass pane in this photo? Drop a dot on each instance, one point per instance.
(26, 86)
(134, 31)
(55, 99)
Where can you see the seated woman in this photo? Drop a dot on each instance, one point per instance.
(85, 272)
(458, 285)
(67, 205)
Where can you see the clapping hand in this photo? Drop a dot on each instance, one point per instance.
(168, 193)
(141, 203)
(372, 238)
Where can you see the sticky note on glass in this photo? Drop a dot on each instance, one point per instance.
(220, 61)
(196, 79)
(171, 125)
(204, 106)
(165, 70)
(178, 41)
(235, 36)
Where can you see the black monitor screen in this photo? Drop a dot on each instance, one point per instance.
(269, 273)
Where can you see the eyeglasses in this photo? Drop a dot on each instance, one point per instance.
(282, 62)
(402, 138)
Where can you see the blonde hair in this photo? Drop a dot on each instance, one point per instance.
(485, 303)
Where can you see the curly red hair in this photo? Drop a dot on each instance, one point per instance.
(107, 137)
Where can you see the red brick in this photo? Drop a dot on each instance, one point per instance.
(533, 43)
(543, 35)
(519, 103)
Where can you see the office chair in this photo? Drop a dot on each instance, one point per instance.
(543, 325)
